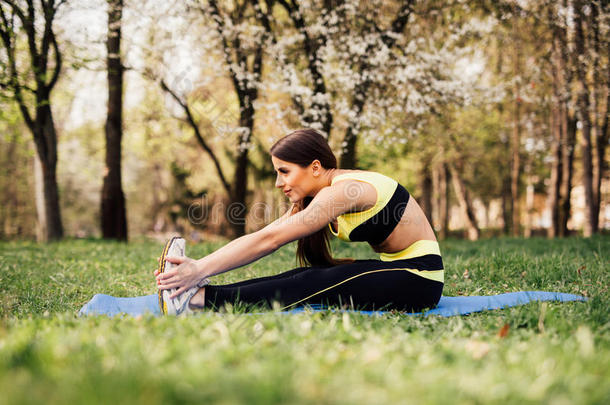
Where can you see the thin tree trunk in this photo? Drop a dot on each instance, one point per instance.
(465, 205)
(425, 200)
(515, 172)
(600, 122)
(439, 202)
(554, 195)
(569, 124)
(516, 139)
(556, 172)
(41, 224)
(506, 202)
(529, 203)
(113, 216)
(602, 143)
(444, 201)
(583, 116)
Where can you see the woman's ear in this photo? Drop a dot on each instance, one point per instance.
(316, 168)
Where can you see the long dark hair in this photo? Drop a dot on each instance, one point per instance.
(302, 147)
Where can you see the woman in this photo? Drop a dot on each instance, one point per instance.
(354, 205)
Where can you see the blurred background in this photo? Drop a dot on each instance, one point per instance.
(121, 119)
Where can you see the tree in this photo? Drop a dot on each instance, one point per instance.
(591, 45)
(232, 31)
(583, 116)
(580, 78)
(563, 121)
(359, 68)
(515, 139)
(113, 218)
(600, 17)
(30, 83)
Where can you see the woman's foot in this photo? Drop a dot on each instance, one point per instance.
(198, 300)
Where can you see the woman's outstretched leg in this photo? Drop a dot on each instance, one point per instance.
(363, 284)
(198, 300)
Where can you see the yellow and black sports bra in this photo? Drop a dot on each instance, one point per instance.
(375, 224)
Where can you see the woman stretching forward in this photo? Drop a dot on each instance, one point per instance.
(354, 205)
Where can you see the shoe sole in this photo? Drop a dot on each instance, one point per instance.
(162, 303)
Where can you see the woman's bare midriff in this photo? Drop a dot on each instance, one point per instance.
(413, 226)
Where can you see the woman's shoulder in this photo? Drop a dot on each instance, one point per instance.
(366, 175)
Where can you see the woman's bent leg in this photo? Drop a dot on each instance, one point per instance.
(363, 284)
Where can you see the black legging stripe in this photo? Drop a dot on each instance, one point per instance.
(365, 284)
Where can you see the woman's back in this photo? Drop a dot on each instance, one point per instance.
(392, 223)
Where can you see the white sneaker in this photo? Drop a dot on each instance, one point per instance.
(180, 305)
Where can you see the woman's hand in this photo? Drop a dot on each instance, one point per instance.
(183, 277)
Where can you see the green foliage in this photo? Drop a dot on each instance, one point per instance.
(537, 353)
(477, 143)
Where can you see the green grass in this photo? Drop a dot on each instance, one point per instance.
(555, 353)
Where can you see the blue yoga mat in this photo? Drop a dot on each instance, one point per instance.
(102, 304)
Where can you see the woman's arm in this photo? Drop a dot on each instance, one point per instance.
(329, 203)
(252, 247)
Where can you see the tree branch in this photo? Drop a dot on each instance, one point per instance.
(265, 20)
(226, 49)
(311, 51)
(202, 143)
(48, 12)
(6, 35)
(28, 25)
(58, 63)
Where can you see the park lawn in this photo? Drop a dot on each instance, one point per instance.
(555, 353)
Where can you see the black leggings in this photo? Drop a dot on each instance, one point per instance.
(363, 284)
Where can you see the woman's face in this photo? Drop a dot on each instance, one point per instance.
(295, 181)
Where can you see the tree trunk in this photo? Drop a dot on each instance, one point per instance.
(506, 203)
(113, 216)
(41, 223)
(583, 116)
(556, 172)
(425, 185)
(348, 153)
(515, 171)
(600, 122)
(565, 122)
(439, 202)
(557, 129)
(516, 139)
(465, 205)
(237, 209)
(600, 149)
(529, 203)
(47, 153)
(569, 124)
(444, 201)
(51, 197)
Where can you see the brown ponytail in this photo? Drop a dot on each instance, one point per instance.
(302, 147)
